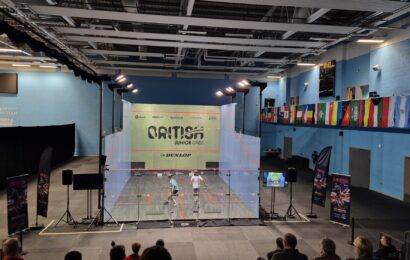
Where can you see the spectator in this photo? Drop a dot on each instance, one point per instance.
(135, 250)
(11, 249)
(117, 252)
(156, 253)
(73, 255)
(160, 242)
(328, 251)
(386, 249)
(290, 252)
(363, 248)
(279, 248)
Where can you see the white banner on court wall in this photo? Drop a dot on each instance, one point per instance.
(174, 136)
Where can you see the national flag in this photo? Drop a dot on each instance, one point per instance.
(309, 114)
(401, 114)
(361, 112)
(375, 113)
(292, 119)
(335, 113)
(384, 118)
(354, 113)
(299, 114)
(264, 114)
(367, 104)
(285, 114)
(275, 115)
(329, 110)
(392, 106)
(345, 113)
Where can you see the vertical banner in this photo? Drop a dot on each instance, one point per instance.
(17, 211)
(43, 183)
(321, 174)
(340, 199)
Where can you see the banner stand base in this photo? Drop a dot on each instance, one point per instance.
(311, 215)
(37, 227)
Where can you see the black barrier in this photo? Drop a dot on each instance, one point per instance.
(21, 148)
(88, 181)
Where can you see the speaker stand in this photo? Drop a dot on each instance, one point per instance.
(291, 212)
(98, 220)
(69, 218)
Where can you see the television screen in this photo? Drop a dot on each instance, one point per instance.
(275, 179)
(8, 83)
(327, 76)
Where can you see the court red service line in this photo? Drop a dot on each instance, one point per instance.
(176, 112)
(181, 206)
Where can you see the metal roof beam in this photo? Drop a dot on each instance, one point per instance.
(195, 21)
(354, 5)
(188, 38)
(187, 44)
(123, 53)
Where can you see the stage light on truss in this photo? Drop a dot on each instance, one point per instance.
(370, 40)
(134, 91)
(129, 85)
(229, 90)
(219, 93)
(245, 82)
(120, 78)
(305, 64)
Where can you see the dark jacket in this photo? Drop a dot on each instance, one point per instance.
(290, 254)
(386, 252)
(332, 257)
(271, 253)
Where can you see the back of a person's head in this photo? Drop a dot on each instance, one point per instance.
(290, 240)
(363, 247)
(387, 239)
(279, 243)
(11, 247)
(136, 247)
(156, 253)
(73, 255)
(160, 242)
(117, 252)
(328, 247)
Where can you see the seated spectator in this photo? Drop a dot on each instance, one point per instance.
(328, 251)
(117, 252)
(386, 249)
(160, 242)
(279, 248)
(135, 249)
(290, 252)
(363, 248)
(73, 255)
(11, 249)
(156, 253)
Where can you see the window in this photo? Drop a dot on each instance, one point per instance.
(350, 93)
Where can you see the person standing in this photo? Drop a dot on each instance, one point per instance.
(174, 188)
(196, 180)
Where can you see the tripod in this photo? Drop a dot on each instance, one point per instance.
(291, 212)
(69, 218)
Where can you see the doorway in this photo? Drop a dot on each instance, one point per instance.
(287, 148)
(359, 167)
(406, 179)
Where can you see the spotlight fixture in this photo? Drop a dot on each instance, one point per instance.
(229, 90)
(9, 50)
(129, 85)
(273, 77)
(370, 40)
(135, 90)
(21, 65)
(219, 93)
(245, 82)
(48, 66)
(305, 64)
(119, 77)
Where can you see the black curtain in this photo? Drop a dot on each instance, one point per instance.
(21, 148)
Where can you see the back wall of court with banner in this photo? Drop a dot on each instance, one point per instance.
(174, 136)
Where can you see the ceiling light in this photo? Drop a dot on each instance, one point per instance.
(241, 84)
(191, 32)
(119, 77)
(370, 40)
(135, 90)
(245, 82)
(21, 65)
(229, 90)
(273, 77)
(9, 50)
(219, 93)
(305, 64)
(129, 85)
(48, 66)
(239, 35)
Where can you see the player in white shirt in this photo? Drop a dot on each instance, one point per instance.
(196, 184)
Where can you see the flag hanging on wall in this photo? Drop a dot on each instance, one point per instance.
(285, 114)
(354, 113)
(300, 114)
(392, 106)
(340, 199)
(384, 115)
(345, 113)
(275, 114)
(335, 113)
(401, 114)
(292, 119)
(329, 110)
(321, 114)
(375, 112)
(309, 114)
(321, 175)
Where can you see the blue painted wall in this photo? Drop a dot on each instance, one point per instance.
(46, 98)
(387, 149)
